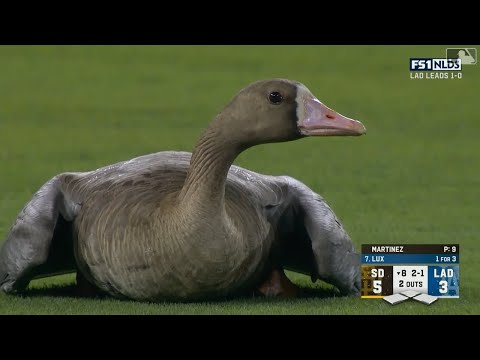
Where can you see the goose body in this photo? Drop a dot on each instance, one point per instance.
(182, 226)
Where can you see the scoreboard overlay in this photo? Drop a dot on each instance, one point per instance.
(431, 269)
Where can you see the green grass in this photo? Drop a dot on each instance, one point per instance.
(414, 178)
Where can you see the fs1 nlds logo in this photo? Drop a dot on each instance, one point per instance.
(435, 64)
(443, 68)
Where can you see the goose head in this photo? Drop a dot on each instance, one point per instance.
(266, 111)
(280, 110)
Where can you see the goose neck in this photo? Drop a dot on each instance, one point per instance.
(209, 166)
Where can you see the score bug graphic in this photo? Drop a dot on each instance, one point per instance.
(411, 270)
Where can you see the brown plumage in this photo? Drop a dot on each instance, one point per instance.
(181, 226)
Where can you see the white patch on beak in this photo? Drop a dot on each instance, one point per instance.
(302, 94)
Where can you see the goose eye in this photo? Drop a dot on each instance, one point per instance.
(275, 98)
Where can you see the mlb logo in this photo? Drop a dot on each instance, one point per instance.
(467, 55)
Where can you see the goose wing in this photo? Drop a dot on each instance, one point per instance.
(40, 242)
(311, 238)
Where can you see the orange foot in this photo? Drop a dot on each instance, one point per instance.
(277, 284)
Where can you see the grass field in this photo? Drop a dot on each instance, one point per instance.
(414, 178)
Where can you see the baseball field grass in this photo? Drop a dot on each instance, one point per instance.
(414, 178)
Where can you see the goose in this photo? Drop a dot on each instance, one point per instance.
(180, 226)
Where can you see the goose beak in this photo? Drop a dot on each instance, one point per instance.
(316, 119)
